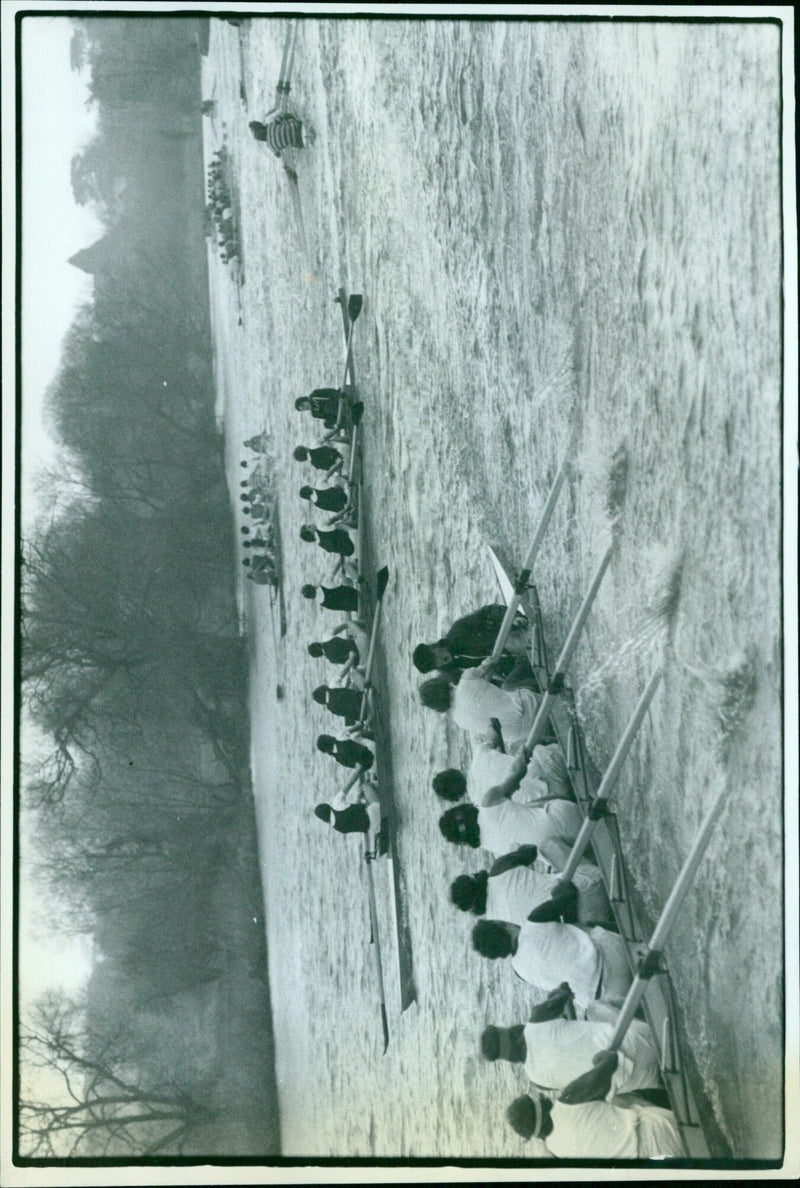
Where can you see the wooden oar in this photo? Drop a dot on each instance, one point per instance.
(352, 463)
(285, 77)
(354, 306)
(557, 679)
(340, 300)
(595, 1084)
(373, 917)
(564, 887)
(523, 581)
(242, 87)
(294, 190)
(282, 72)
(381, 582)
(357, 774)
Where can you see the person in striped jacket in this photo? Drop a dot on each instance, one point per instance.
(281, 130)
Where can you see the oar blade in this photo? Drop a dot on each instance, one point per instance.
(385, 1023)
(594, 1084)
(381, 582)
(354, 306)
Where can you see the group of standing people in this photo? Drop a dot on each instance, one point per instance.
(517, 804)
(258, 504)
(220, 206)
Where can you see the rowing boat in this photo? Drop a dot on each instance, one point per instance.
(659, 1003)
(382, 759)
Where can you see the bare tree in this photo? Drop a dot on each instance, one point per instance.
(83, 1091)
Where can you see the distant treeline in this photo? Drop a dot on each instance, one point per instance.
(132, 661)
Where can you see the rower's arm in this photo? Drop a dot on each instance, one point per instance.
(523, 856)
(509, 785)
(347, 666)
(496, 740)
(554, 1005)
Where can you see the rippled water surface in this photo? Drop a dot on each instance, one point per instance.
(558, 229)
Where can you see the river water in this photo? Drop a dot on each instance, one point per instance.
(563, 232)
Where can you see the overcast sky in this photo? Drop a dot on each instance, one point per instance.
(55, 123)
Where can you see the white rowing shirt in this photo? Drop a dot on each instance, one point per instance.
(508, 825)
(549, 954)
(476, 701)
(559, 1050)
(489, 768)
(616, 977)
(547, 767)
(625, 1129)
(545, 777)
(512, 895)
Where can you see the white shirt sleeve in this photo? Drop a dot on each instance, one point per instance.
(623, 1075)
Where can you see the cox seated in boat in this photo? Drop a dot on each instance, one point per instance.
(324, 405)
(592, 960)
(511, 889)
(475, 701)
(627, 1128)
(470, 641)
(553, 1052)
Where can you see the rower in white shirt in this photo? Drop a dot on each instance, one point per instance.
(475, 701)
(556, 1051)
(627, 1128)
(592, 960)
(520, 810)
(513, 887)
(544, 777)
(503, 827)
